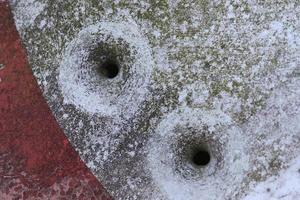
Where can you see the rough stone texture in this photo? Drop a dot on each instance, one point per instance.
(219, 75)
(36, 160)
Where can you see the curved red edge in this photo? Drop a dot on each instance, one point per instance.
(36, 159)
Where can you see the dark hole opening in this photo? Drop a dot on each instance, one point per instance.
(110, 69)
(201, 157)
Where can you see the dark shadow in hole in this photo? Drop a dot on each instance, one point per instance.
(200, 157)
(109, 69)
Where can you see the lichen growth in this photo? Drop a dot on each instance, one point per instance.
(229, 57)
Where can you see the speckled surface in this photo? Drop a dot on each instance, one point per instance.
(36, 159)
(222, 75)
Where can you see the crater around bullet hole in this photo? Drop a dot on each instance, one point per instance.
(201, 157)
(109, 69)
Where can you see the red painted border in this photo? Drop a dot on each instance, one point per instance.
(36, 159)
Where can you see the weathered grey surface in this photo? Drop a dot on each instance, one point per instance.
(219, 74)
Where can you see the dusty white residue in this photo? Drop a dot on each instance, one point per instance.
(60, 189)
(198, 94)
(214, 181)
(25, 12)
(284, 186)
(102, 97)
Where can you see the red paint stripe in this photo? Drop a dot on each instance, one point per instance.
(36, 159)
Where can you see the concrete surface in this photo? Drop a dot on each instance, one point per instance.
(214, 76)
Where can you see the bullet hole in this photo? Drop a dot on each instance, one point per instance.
(201, 157)
(109, 69)
(197, 152)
